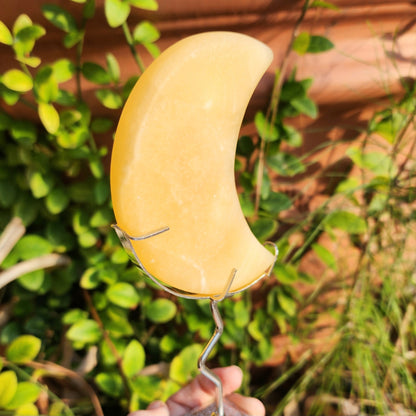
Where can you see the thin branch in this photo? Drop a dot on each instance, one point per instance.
(129, 39)
(53, 369)
(107, 339)
(13, 232)
(43, 262)
(274, 103)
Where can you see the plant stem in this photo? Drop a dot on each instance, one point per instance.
(108, 340)
(271, 113)
(28, 377)
(129, 39)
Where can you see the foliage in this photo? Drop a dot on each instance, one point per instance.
(368, 366)
(99, 323)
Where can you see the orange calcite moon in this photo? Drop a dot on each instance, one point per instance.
(173, 163)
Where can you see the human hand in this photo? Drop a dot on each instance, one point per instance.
(201, 392)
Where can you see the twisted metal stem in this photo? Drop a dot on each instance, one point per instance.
(209, 374)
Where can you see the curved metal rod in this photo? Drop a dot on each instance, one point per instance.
(126, 240)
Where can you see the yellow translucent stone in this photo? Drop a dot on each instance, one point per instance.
(173, 163)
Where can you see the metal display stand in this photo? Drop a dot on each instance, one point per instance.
(218, 408)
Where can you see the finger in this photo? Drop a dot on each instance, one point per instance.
(201, 391)
(157, 408)
(249, 405)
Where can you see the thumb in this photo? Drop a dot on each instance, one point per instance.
(157, 408)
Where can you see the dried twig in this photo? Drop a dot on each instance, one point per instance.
(55, 370)
(43, 262)
(13, 232)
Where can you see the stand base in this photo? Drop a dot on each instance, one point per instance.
(212, 410)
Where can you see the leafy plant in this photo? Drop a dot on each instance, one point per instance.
(97, 324)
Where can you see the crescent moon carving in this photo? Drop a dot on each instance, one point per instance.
(173, 163)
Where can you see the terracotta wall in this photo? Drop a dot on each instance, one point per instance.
(358, 69)
(375, 45)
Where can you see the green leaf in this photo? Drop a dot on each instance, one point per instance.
(324, 5)
(381, 164)
(109, 99)
(102, 217)
(305, 106)
(26, 209)
(319, 44)
(8, 387)
(59, 17)
(287, 303)
(264, 228)
(389, 126)
(96, 167)
(74, 139)
(348, 186)
(95, 73)
(116, 12)
(5, 34)
(89, 9)
(301, 43)
(57, 200)
(31, 246)
(246, 203)
(45, 86)
(153, 49)
(9, 97)
(285, 164)
(63, 70)
(266, 130)
(133, 358)
(183, 367)
(101, 191)
(120, 256)
(110, 383)
(30, 33)
(161, 310)
(32, 61)
(40, 184)
(326, 256)
(29, 409)
(32, 281)
(123, 294)
(74, 315)
(26, 393)
(84, 331)
(23, 132)
(23, 349)
(285, 273)
(145, 32)
(22, 21)
(346, 221)
(145, 4)
(292, 90)
(292, 136)
(113, 67)
(8, 192)
(241, 314)
(275, 203)
(72, 38)
(59, 408)
(101, 125)
(59, 236)
(17, 80)
(49, 117)
(88, 238)
(90, 279)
